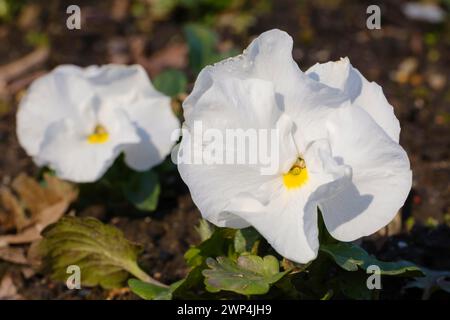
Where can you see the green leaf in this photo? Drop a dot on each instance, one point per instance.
(142, 189)
(204, 229)
(192, 285)
(219, 244)
(250, 275)
(101, 251)
(328, 295)
(432, 281)
(37, 39)
(202, 42)
(171, 82)
(246, 240)
(185, 288)
(324, 236)
(353, 285)
(351, 257)
(149, 291)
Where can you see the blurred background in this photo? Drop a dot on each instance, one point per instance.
(409, 57)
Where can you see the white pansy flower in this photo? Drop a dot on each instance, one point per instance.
(339, 149)
(78, 120)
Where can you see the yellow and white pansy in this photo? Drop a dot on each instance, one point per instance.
(339, 149)
(78, 120)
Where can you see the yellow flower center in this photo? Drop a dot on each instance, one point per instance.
(100, 135)
(297, 175)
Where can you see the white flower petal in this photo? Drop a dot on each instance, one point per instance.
(231, 104)
(336, 124)
(269, 57)
(327, 177)
(369, 95)
(156, 123)
(287, 221)
(130, 89)
(213, 186)
(66, 149)
(121, 84)
(234, 103)
(55, 96)
(381, 176)
(93, 96)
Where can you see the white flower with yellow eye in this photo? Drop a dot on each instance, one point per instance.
(339, 149)
(78, 120)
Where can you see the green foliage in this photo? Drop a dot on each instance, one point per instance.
(212, 4)
(246, 240)
(149, 291)
(5, 107)
(171, 82)
(230, 263)
(249, 275)
(204, 229)
(220, 243)
(202, 44)
(350, 257)
(196, 9)
(353, 285)
(138, 9)
(434, 280)
(101, 251)
(121, 184)
(142, 189)
(10, 8)
(236, 16)
(184, 288)
(37, 39)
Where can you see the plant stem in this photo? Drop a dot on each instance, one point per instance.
(143, 276)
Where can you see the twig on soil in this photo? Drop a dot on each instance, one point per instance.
(23, 82)
(19, 67)
(14, 255)
(114, 293)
